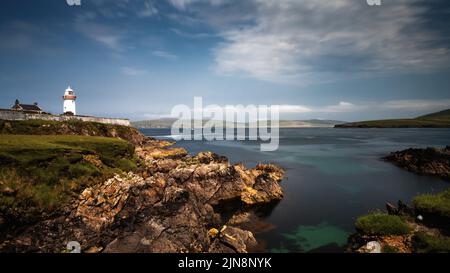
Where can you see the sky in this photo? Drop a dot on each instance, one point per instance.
(341, 59)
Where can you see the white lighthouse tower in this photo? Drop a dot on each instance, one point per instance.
(69, 101)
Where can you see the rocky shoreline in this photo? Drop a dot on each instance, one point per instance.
(169, 205)
(429, 161)
(423, 226)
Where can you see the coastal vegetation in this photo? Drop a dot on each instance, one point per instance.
(402, 232)
(434, 120)
(427, 243)
(72, 127)
(423, 227)
(70, 181)
(39, 174)
(437, 205)
(378, 223)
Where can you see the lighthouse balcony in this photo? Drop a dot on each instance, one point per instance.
(69, 97)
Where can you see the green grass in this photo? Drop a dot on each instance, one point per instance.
(70, 127)
(441, 115)
(381, 224)
(438, 204)
(426, 243)
(44, 172)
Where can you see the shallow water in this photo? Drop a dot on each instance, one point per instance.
(333, 175)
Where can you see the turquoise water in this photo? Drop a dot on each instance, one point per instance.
(333, 175)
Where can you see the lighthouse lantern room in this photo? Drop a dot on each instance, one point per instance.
(69, 101)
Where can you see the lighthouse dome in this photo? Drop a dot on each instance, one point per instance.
(69, 91)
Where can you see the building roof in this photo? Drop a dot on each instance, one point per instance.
(26, 107)
(30, 107)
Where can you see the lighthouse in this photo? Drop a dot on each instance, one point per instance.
(69, 101)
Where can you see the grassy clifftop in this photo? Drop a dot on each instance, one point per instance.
(45, 165)
(40, 174)
(75, 127)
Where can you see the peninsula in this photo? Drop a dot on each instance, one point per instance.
(434, 120)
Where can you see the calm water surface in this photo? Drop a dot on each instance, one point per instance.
(333, 175)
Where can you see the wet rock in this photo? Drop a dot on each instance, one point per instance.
(232, 240)
(404, 209)
(391, 209)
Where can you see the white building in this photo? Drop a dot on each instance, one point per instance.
(69, 101)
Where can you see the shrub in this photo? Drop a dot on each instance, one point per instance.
(430, 243)
(389, 249)
(82, 169)
(381, 224)
(435, 204)
(125, 165)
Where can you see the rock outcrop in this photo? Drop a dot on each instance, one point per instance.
(169, 206)
(429, 161)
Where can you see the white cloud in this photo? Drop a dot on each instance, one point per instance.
(416, 104)
(164, 54)
(285, 108)
(182, 4)
(400, 106)
(131, 71)
(148, 10)
(342, 106)
(310, 41)
(101, 33)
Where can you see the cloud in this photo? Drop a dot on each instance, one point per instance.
(378, 108)
(148, 10)
(311, 41)
(101, 33)
(397, 105)
(125, 8)
(183, 4)
(416, 104)
(193, 34)
(348, 107)
(131, 71)
(164, 54)
(285, 108)
(342, 106)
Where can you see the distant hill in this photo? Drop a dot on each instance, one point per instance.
(167, 123)
(439, 119)
(441, 115)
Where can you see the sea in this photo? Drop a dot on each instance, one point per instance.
(333, 176)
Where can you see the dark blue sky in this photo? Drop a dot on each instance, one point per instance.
(337, 59)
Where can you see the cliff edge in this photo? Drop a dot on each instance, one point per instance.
(165, 200)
